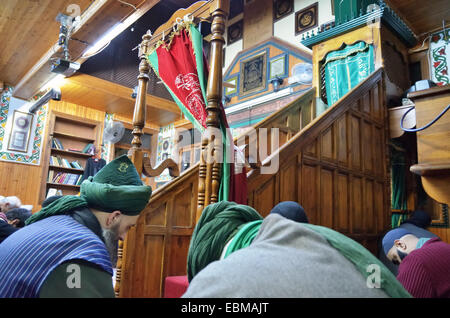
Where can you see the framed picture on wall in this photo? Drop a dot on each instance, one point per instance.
(20, 131)
(235, 32)
(282, 8)
(306, 19)
(253, 74)
(278, 67)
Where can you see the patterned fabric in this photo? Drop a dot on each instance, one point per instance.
(345, 68)
(28, 256)
(178, 66)
(440, 57)
(182, 67)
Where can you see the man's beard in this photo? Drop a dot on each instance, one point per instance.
(111, 238)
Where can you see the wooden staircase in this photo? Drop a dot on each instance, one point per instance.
(335, 166)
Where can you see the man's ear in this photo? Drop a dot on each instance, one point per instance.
(14, 222)
(113, 217)
(400, 244)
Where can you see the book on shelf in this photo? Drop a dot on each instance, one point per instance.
(80, 178)
(73, 149)
(56, 143)
(52, 191)
(66, 163)
(88, 148)
(66, 178)
(50, 176)
(76, 165)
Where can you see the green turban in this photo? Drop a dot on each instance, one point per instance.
(117, 186)
(217, 224)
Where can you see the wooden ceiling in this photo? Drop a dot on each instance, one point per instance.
(27, 30)
(112, 98)
(422, 16)
(29, 35)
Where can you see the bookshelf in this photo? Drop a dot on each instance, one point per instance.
(69, 143)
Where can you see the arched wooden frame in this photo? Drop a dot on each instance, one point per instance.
(215, 11)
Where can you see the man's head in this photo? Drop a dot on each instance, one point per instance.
(218, 223)
(17, 216)
(115, 226)
(116, 222)
(9, 203)
(398, 243)
(291, 210)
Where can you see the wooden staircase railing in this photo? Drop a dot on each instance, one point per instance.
(337, 167)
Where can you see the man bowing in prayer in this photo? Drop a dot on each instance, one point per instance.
(66, 248)
(235, 253)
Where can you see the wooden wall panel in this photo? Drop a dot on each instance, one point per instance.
(309, 196)
(357, 205)
(341, 142)
(367, 147)
(341, 217)
(156, 216)
(264, 198)
(326, 198)
(355, 144)
(21, 180)
(154, 261)
(327, 145)
(288, 186)
(179, 247)
(184, 211)
(370, 221)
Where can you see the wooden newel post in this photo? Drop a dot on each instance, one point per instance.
(210, 167)
(139, 115)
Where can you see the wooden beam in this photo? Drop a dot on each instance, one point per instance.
(121, 91)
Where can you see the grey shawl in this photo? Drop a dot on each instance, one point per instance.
(285, 260)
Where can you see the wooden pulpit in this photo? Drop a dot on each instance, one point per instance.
(433, 143)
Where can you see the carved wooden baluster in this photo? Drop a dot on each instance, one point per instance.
(139, 115)
(119, 268)
(209, 173)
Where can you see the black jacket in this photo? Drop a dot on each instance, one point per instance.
(6, 230)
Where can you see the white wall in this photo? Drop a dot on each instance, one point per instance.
(233, 49)
(285, 28)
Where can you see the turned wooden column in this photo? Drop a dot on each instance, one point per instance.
(210, 168)
(139, 114)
